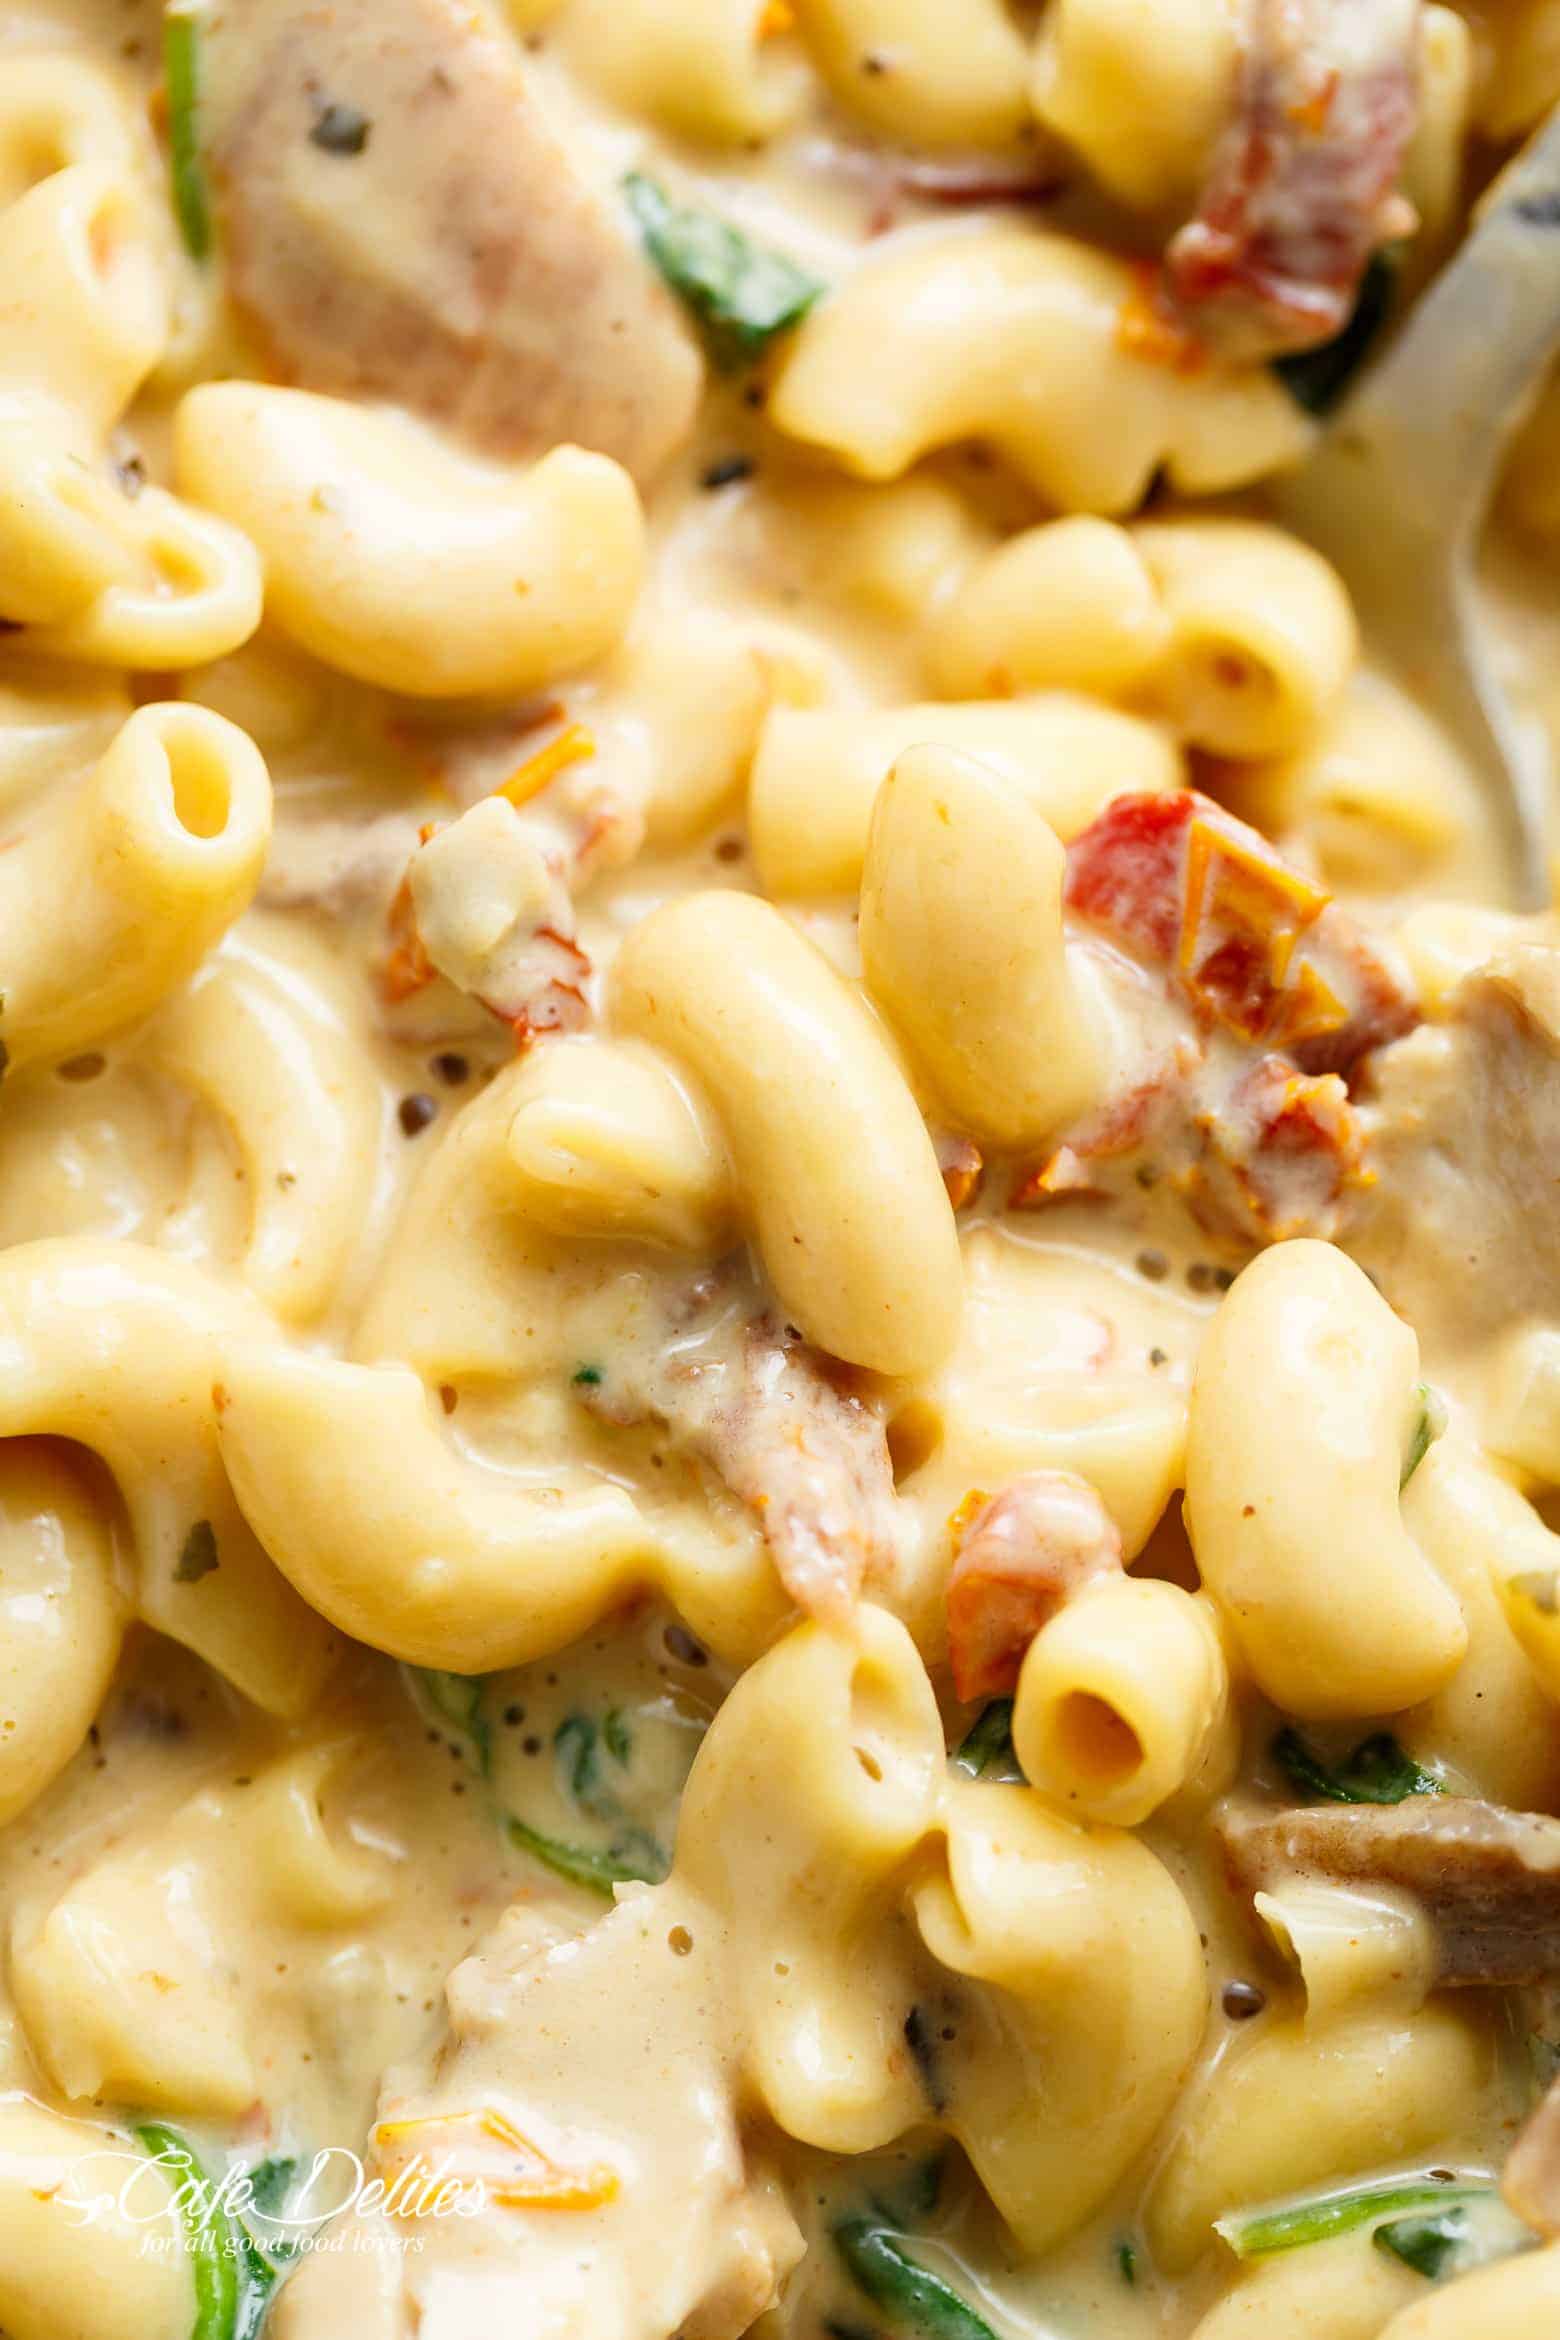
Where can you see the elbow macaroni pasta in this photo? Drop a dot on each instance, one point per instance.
(348, 510)
(1139, 92)
(108, 907)
(817, 773)
(1123, 1701)
(963, 947)
(117, 1349)
(1014, 337)
(848, 1210)
(1301, 1414)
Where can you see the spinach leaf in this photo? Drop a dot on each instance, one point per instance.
(232, 2277)
(1256, 2235)
(186, 172)
(457, 1699)
(199, 1554)
(1429, 1422)
(986, 1750)
(1425, 2243)
(741, 294)
(1378, 1771)
(270, 2188)
(922, 2305)
(633, 1855)
(1317, 378)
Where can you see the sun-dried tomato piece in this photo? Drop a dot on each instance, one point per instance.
(1020, 1556)
(1301, 189)
(1280, 1154)
(1252, 944)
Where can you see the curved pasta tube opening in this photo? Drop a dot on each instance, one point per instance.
(1300, 1417)
(1352, 1944)
(1123, 1700)
(343, 1475)
(61, 525)
(605, 1140)
(404, 564)
(848, 1206)
(57, 111)
(1069, 1954)
(83, 314)
(1093, 1958)
(118, 899)
(118, 1348)
(192, 593)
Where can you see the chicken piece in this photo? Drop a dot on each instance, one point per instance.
(399, 220)
(338, 866)
(492, 914)
(1255, 947)
(1276, 998)
(1025, 1552)
(1463, 1229)
(1282, 1152)
(583, 2103)
(488, 900)
(1301, 191)
(1488, 1878)
(807, 1458)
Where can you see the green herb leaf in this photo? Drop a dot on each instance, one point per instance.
(270, 2188)
(1429, 1422)
(1317, 378)
(186, 173)
(574, 1744)
(634, 1857)
(1378, 1771)
(1126, 2262)
(741, 294)
(1425, 2243)
(1329, 2214)
(457, 1699)
(986, 1750)
(231, 2276)
(199, 1556)
(921, 2303)
(587, 1377)
(618, 1734)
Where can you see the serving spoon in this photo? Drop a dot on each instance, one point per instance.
(1397, 492)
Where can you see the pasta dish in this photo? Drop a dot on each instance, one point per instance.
(779, 1234)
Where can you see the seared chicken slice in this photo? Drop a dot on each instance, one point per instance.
(400, 220)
